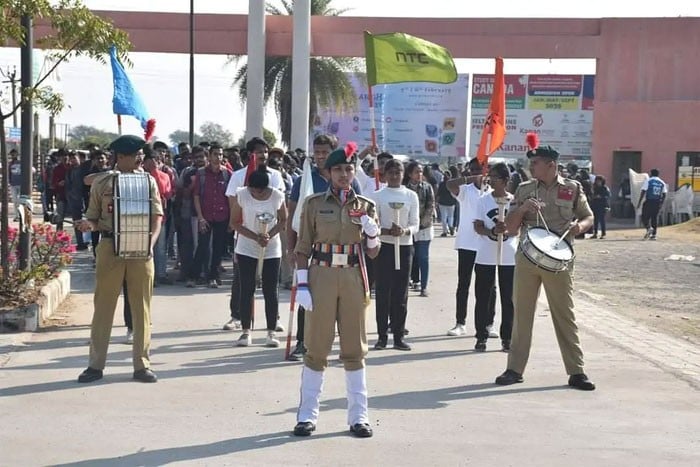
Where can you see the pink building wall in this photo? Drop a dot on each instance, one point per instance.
(647, 91)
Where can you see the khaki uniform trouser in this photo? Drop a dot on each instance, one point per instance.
(559, 290)
(110, 272)
(338, 296)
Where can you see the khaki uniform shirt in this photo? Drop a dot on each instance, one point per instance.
(101, 206)
(564, 201)
(324, 220)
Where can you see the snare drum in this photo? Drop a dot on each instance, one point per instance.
(540, 246)
(132, 215)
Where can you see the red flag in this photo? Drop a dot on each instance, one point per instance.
(252, 167)
(495, 124)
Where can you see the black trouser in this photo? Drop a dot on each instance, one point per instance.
(300, 323)
(185, 245)
(235, 301)
(465, 266)
(392, 289)
(650, 214)
(215, 237)
(370, 265)
(484, 283)
(127, 308)
(270, 275)
(599, 212)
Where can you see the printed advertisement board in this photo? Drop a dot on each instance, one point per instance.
(419, 120)
(559, 108)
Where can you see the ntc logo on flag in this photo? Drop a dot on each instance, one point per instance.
(412, 57)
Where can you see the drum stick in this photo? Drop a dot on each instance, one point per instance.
(290, 323)
(563, 235)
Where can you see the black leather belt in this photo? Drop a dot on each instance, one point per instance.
(105, 234)
(353, 260)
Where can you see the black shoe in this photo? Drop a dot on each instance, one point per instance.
(81, 247)
(304, 429)
(361, 430)
(145, 375)
(298, 352)
(480, 345)
(381, 343)
(399, 344)
(90, 375)
(509, 377)
(581, 381)
(505, 345)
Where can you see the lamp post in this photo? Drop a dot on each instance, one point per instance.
(27, 121)
(191, 141)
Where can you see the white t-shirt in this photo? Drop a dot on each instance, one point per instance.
(468, 197)
(488, 247)
(251, 208)
(408, 214)
(238, 180)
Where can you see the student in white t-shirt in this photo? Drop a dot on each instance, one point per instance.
(251, 201)
(392, 284)
(467, 189)
(487, 260)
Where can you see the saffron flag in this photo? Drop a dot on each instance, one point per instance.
(252, 167)
(398, 57)
(495, 125)
(126, 101)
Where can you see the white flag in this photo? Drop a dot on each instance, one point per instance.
(305, 190)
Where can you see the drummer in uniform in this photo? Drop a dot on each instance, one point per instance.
(563, 205)
(111, 270)
(334, 289)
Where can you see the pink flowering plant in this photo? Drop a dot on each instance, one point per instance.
(50, 252)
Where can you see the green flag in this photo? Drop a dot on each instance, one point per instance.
(398, 57)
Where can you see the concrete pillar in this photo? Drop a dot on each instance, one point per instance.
(256, 69)
(301, 52)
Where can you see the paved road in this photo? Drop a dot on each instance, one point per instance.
(216, 404)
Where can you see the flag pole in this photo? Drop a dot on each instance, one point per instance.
(119, 124)
(373, 134)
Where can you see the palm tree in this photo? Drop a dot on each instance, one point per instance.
(329, 84)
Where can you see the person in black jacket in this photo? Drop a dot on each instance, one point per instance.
(600, 204)
(446, 203)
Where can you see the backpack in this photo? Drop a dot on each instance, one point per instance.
(202, 177)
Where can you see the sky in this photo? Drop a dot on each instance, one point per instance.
(162, 79)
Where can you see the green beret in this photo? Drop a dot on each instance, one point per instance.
(127, 145)
(544, 151)
(339, 157)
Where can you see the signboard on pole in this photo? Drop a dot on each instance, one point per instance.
(13, 135)
(419, 120)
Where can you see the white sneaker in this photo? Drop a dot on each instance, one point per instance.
(271, 340)
(232, 325)
(458, 330)
(492, 333)
(279, 327)
(129, 337)
(244, 340)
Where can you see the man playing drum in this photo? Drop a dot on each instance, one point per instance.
(546, 200)
(112, 270)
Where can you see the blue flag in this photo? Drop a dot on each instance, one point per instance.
(126, 100)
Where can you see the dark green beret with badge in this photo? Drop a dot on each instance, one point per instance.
(127, 145)
(540, 151)
(346, 155)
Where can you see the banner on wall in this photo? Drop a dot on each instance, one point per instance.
(559, 108)
(419, 120)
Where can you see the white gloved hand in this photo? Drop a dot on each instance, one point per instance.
(303, 296)
(369, 226)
